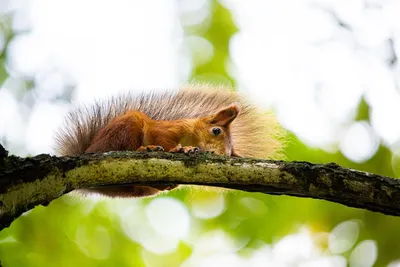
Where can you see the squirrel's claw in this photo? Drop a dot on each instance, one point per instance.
(185, 149)
(191, 149)
(150, 148)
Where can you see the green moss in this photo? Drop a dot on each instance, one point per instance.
(325, 180)
(48, 188)
(124, 171)
(363, 188)
(389, 191)
(313, 190)
(119, 171)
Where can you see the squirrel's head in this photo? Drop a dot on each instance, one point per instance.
(215, 134)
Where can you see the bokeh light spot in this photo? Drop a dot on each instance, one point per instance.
(364, 254)
(295, 248)
(343, 236)
(169, 217)
(359, 142)
(202, 50)
(207, 205)
(254, 205)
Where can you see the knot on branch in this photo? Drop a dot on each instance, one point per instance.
(3, 152)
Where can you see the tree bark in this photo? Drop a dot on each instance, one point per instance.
(27, 182)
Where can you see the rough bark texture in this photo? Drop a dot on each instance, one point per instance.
(27, 182)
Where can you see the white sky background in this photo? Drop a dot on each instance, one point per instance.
(291, 55)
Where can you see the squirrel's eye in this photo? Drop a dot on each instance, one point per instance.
(216, 131)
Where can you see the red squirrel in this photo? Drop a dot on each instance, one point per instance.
(198, 118)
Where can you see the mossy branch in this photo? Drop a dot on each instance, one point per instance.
(27, 182)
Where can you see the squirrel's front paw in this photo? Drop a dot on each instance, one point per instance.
(150, 148)
(185, 149)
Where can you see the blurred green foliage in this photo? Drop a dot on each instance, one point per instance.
(218, 34)
(52, 235)
(5, 22)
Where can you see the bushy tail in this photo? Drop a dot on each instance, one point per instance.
(254, 133)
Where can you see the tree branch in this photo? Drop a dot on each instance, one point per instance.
(27, 182)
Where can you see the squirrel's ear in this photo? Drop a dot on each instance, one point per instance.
(225, 116)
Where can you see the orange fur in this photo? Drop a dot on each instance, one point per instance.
(135, 131)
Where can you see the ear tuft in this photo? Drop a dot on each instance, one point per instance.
(226, 115)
